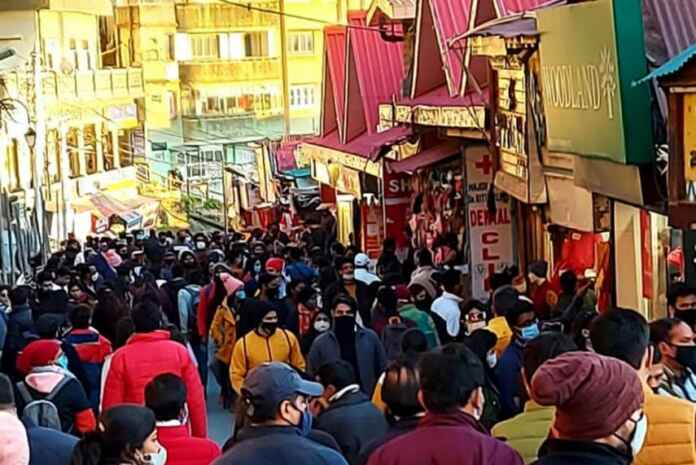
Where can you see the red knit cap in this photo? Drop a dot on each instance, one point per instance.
(402, 293)
(275, 264)
(37, 354)
(594, 395)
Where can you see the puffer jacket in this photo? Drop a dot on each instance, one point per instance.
(145, 356)
(527, 431)
(223, 332)
(182, 449)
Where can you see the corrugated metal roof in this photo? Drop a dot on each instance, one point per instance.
(393, 10)
(366, 145)
(451, 18)
(334, 74)
(672, 66)
(512, 26)
(379, 69)
(676, 24)
(512, 7)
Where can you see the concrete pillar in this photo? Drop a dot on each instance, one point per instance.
(99, 146)
(81, 155)
(117, 148)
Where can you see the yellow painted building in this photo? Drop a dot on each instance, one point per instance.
(84, 114)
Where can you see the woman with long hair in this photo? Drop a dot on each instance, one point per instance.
(110, 308)
(126, 436)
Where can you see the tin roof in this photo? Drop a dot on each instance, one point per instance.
(511, 26)
(670, 27)
(390, 10)
(512, 7)
(366, 145)
(375, 73)
(334, 79)
(672, 66)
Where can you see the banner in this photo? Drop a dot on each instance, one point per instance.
(490, 233)
(646, 254)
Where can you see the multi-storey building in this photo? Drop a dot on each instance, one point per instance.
(83, 108)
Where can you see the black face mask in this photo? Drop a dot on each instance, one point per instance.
(687, 316)
(424, 305)
(269, 328)
(344, 326)
(272, 293)
(686, 356)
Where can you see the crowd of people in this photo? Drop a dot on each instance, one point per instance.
(324, 356)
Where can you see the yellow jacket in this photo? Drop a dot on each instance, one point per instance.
(671, 428)
(223, 332)
(527, 431)
(253, 350)
(500, 328)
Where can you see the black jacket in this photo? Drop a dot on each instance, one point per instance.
(353, 421)
(565, 452)
(277, 445)
(401, 426)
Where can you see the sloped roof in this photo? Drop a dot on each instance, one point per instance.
(333, 110)
(672, 66)
(375, 73)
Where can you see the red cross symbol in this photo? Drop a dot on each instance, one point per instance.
(485, 164)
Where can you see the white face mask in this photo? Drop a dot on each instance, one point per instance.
(348, 276)
(159, 458)
(471, 327)
(95, 277)
(492, 359)
(200, 245)
(639, 435)
(321, 326)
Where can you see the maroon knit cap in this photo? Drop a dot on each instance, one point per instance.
(594, 395)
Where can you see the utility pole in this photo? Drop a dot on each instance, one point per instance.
(284, 64)
(39, 151)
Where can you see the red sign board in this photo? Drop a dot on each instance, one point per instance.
(646, 254)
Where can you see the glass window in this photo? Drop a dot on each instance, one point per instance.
(301, 42)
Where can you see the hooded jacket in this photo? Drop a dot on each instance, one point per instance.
(145, 356)
(182, 449)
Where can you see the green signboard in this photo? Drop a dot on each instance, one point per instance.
(590, 54)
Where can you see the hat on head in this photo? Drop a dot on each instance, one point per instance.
(267, 385)
(39, 354)
(581, 384)
(231, 283)
(426, 283)
(539, 268)
(14, 444)
(361, 260)
(275, 264)
(402, 293)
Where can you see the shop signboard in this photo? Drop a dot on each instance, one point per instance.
(490, 233)
(591, 107)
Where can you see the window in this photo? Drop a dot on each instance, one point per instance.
(301, 43)
(256, 44)
(83, 57)
(204, 46)
(302, 96)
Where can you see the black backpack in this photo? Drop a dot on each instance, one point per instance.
(42, 411)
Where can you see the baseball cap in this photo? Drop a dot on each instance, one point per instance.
(271, 383)
(361, 260)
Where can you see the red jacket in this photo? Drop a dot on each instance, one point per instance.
(182, 449)
(91, 346)
(207, 294)
(145, 356)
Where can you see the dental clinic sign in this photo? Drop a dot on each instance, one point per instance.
(590, 55)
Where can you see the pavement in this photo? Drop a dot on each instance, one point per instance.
(220, 421)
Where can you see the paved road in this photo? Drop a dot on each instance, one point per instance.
(219, 421)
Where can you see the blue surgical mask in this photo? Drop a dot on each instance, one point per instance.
(241, 295)
(257, 267)
(62, 361)
(306, 420)
(529, 332)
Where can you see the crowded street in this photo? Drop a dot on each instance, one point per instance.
(360, 232)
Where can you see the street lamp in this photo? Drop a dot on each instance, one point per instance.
(30, 137)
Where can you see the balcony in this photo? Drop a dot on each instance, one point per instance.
(252, 69)
(159, 71)
(83, 85)
(217, 17)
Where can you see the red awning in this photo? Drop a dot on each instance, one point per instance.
(367, 145)
(426, 158)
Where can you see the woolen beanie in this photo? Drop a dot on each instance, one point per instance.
(594, 395)
(426, 283)
(14, 444)
(230, 283)
(276, 264)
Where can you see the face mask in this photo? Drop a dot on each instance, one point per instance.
(306, 420)
(529, 332)
(269, 328)
(344, 325)
(424, 305)
(348, 276)
(492, 359)
(241, 295)
(687, 316)
(257, 267)
(686, 356)
(159, 458)
(321, 326)
(471, 327)
(200, 245)
(62, 361)
(95, 277)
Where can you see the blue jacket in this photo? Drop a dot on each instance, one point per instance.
(369, 350)
(508, 372)
(48, 446)
(277, 445)
(299, 271)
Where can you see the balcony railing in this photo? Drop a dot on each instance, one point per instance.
(251, 69)
(82, 85)
(160, 71)
(217, 17)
